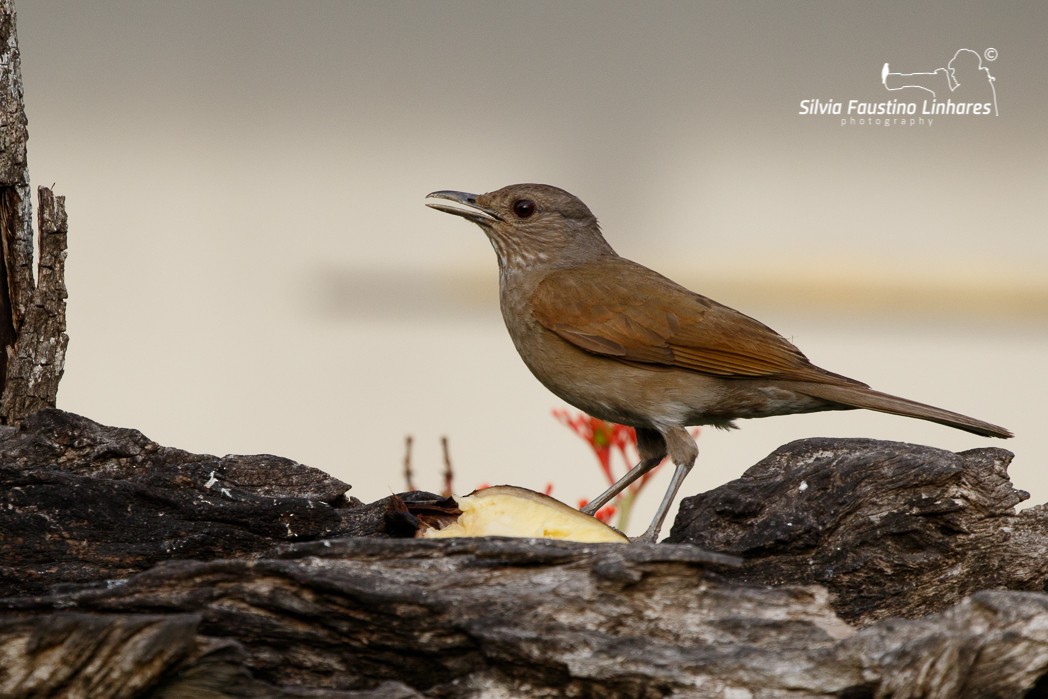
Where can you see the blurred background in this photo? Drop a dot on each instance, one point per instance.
(252, 267)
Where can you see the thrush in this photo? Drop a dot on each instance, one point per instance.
(624, 343)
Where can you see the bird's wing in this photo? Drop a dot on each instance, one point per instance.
(624, 311)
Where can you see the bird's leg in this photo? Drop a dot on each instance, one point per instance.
(683, 452)
(621, 484)
(652, 449)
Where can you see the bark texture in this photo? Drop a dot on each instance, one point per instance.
(890, 529)
(136, 570)
(32, 311)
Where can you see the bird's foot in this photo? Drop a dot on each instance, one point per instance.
(651, 536)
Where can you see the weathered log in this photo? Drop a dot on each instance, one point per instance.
(890, 529)
(132, 569)
(83, 503)
(505, 618)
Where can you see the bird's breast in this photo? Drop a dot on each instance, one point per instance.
(600, 386)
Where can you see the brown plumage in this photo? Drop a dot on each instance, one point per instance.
(626, 344)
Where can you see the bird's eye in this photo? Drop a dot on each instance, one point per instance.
(523, 208)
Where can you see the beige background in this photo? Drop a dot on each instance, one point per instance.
(252, 269)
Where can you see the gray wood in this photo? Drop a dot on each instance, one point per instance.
(890, 529)
(133, 569)
(32, 312)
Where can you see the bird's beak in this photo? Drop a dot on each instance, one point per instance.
(467, 208)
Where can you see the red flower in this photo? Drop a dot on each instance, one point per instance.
(604, 514)
(604, 437)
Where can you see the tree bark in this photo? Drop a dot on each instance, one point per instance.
(890, 529)
(32, 311)
(129, 569)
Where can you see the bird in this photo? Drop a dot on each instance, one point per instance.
(626, 344)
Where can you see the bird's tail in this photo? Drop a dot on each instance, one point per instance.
(858, 396)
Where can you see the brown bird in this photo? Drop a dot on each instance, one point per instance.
(628, 345)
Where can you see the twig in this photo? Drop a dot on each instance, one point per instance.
(449, 475)
(408, 475)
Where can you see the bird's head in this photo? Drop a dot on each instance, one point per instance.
(530, 224)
